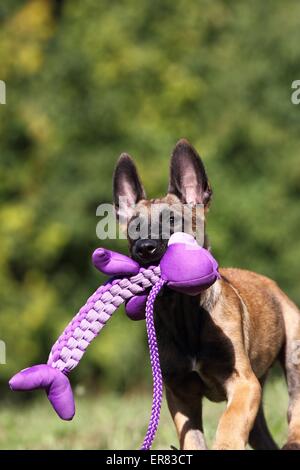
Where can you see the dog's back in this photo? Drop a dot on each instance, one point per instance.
(262, 316)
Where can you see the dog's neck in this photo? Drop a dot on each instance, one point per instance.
(209, 297)
(171, 300)
(180, 318)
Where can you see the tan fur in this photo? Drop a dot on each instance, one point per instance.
(260, 322)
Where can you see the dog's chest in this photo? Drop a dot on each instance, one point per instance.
(193, 351)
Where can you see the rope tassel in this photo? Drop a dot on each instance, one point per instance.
(155, 365)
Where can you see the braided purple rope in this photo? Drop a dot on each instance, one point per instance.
(155, 365)
(93, 316)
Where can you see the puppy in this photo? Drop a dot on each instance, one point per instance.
(221, 343)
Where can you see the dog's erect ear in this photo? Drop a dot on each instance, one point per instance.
(127, 187)
(188, 179)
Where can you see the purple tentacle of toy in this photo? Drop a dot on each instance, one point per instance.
(185, 267)
(71, 345)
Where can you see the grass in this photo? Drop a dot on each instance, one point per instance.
(112, 421)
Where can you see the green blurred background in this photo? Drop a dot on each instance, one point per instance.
(87, 80)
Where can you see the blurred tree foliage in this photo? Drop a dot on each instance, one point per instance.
(89, 79)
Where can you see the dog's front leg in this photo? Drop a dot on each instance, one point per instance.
(243, 395)
(186, 412)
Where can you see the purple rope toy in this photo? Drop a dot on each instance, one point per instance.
(185, 267)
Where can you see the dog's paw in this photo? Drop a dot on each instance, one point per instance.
(291, 446)
(229, 445)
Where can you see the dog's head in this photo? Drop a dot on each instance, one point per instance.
(150, 222)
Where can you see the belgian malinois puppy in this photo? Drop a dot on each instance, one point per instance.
(221, 343)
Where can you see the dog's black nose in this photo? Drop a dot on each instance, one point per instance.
(146, 249)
